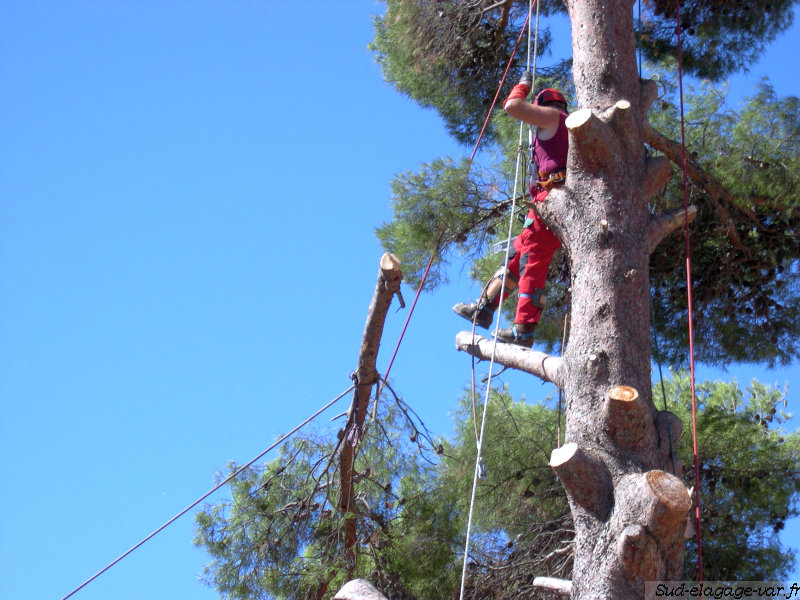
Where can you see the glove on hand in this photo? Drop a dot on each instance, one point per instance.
(522, 89)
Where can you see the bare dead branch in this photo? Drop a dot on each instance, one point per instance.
(388, 284)
(544, 366)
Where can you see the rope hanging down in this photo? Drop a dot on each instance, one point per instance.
(689, 295)
(208, 493)
(479, 467)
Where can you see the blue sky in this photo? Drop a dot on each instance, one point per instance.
(188, 192)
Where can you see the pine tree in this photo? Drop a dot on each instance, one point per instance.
(611, 229)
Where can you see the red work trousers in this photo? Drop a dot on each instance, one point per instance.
(529, 261)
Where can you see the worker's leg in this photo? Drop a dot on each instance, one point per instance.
(536, 246)
(482, 311)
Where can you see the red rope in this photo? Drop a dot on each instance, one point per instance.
(689, 298)
(500, 87)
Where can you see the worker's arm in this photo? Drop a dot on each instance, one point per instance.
(544, 117)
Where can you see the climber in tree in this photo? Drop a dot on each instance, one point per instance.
(534, 247)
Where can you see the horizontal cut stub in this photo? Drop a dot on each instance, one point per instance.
(589, 138)
(585, 478)
(666, 502)
(626, 417)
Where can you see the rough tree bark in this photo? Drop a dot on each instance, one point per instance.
(628, 510)
(629, 521)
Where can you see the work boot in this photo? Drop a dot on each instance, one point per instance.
(520, 334)
(481, 315)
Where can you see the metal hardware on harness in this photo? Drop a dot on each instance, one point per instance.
(548, 180)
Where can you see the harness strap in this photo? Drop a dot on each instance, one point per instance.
(549, 180)
(538, 297)
(518, 335)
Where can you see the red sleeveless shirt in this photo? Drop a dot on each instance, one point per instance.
(551, 155)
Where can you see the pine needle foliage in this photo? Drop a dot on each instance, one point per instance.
(745, 241)
(749, 476)
(451, 54)
(279, 534)
(718, 37)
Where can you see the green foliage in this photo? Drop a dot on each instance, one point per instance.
(745, 239)
(454, 208)
(744, 245)
(451, 55)
(521, 525)
(278, 535)
(749, 474)
(719, 38)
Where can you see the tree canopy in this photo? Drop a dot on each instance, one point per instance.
(279, 537)
(450, 55)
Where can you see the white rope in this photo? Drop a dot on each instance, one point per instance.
(533, 70)
(497, 326)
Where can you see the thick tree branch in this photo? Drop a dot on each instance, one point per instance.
(662, 225)
(544, 366)
(585, 478)
(720, 197)
(562, 587)
(652, 508)
(649, 92)
(366, 375)
(589, 141)
(659, 170)
(503, 22)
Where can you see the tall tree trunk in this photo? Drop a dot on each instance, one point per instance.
(628, 512)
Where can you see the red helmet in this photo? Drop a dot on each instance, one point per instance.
(550, 95)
